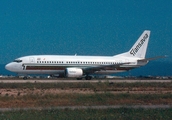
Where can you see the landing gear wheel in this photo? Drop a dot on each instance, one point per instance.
(79, 78)
(25, 78)
(88, 77)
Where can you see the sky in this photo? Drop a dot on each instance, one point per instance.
(83, 27)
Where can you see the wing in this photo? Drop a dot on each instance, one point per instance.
(102, 67)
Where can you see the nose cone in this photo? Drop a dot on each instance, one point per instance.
(9, 67)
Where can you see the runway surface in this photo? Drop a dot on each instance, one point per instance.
(72, 80)
(90, 107)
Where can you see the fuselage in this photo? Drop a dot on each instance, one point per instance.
(56, 64)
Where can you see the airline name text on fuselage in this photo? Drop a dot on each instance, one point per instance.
(139, 45)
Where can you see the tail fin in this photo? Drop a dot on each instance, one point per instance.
(140, 47)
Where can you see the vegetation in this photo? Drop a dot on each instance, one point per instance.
(49, 100)
(97, 85)
(32, 95)
(89, 114)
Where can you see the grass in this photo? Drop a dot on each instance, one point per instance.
(89, 114)
(105, 97)
(101, 94)
(97, 85)
(77, 99)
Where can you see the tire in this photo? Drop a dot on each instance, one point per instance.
(88, 77)
(24, 78)
(79, 78)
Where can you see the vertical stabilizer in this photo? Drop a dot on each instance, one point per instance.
(140, 47)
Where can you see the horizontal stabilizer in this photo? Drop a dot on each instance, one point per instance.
(153, 58)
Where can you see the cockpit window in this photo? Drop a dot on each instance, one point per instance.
(17, 60)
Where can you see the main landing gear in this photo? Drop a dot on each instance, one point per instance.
(25, 78)
(87, 77)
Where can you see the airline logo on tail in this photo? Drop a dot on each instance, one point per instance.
(139, 45)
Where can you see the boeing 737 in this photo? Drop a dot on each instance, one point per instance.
(83, 66)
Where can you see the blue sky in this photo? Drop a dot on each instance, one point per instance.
(85, 27)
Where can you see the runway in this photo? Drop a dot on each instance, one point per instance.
(72, 80)
(90, 107)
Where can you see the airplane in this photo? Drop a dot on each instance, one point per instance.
(79, 67)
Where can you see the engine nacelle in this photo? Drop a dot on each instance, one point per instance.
(73, 72)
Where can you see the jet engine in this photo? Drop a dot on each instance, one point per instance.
(73, 72)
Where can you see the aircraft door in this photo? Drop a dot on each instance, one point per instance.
(31, 60)
(126, 60)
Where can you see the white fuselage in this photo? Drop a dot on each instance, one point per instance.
(56, 64)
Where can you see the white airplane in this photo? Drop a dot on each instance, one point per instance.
(83, 66)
